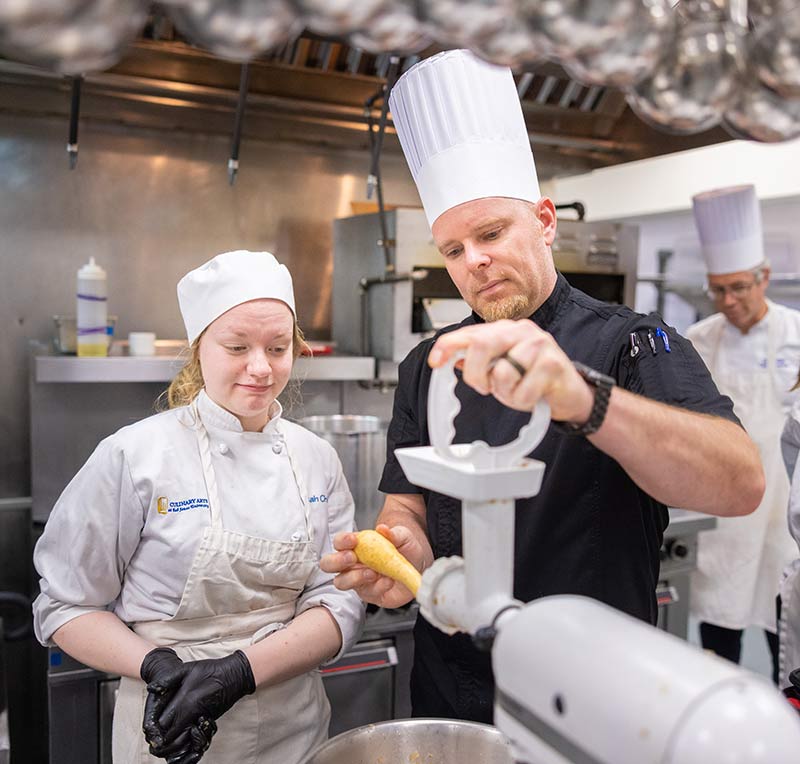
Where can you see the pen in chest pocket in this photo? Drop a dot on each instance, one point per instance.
(661, 333)
(634, 344)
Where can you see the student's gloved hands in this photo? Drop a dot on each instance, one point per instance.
(185, 699)
(190, 745)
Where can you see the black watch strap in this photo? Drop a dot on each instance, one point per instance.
(602, 385)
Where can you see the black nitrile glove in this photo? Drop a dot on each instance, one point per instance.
(197, 690)
(190, 745)
(158, 664)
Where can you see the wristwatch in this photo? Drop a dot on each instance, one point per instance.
(602, 385)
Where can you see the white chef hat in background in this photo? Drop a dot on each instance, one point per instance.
(228, 280)
(728, 221)
(461, 127)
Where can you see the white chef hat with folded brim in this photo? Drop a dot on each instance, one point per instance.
(228, 280)
(728, 221)
(463, 134)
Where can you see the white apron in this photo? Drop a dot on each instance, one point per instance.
(240, 589)
(741, 561)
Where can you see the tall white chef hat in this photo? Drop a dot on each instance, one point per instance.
(461, 127)
(228, 280)
(728, 221)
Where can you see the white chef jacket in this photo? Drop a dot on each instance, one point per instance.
(124, 532)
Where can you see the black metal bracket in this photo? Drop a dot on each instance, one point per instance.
(376, 144)
(579, 207)
(233, 162)
(74, 112)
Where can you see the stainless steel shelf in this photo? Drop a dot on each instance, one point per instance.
(683, 521)
(782, 286)
(61, 369)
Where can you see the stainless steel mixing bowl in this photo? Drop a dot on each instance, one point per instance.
(416, 741)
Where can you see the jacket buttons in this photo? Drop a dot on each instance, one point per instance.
(296, 536)
(223, 448)
(277, 448)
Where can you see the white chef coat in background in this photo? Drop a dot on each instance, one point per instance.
(740, 562)
(789, 627)
(123, 534)
(747, 352)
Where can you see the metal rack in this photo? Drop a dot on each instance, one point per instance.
(783, 287)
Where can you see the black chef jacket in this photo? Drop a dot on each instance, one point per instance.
(590, 530)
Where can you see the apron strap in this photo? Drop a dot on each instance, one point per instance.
(298, 479)
(209, 475)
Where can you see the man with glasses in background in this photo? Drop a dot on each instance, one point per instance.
(752, 348)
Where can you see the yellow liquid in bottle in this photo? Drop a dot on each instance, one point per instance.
(92, 349)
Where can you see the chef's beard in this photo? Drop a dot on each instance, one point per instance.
(513, 307)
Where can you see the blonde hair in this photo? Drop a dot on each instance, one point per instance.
(188, 382)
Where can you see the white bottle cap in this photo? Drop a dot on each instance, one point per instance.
(91, 271)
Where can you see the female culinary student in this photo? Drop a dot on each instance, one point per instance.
(184, 554)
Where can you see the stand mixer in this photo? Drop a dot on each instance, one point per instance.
(577, 682)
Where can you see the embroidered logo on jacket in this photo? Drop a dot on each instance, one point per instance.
(314, 499)
(165, 506)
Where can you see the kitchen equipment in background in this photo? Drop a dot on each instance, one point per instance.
(16, 625)
(426, 741)
(24, 660)
(395, 313)
(387, 316)
(599, 259)
(678, 560)
(65, 333)
(5, 739)
(142, 343)
(81, 708)
(360, 442)
(92, 301)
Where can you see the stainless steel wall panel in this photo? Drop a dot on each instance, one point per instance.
(150, 205)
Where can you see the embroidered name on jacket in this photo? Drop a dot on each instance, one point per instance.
(314, 499)
(165, 506)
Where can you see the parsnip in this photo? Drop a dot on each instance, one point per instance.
(377, 552)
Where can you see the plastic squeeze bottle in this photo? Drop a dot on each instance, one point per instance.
(92, 323)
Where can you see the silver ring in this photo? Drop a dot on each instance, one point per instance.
(520, 369)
